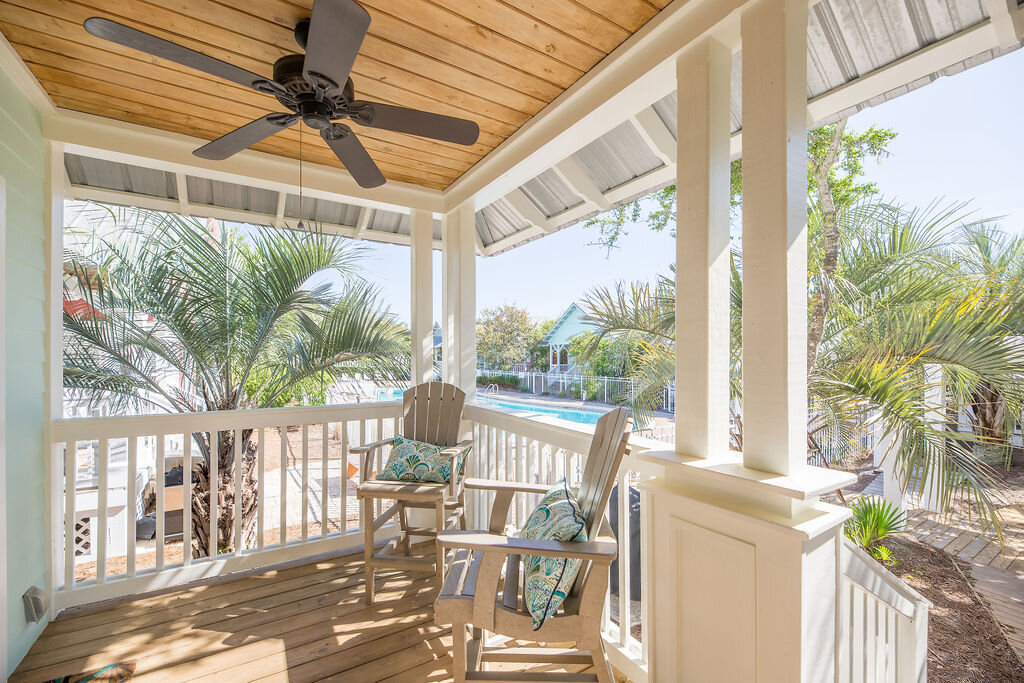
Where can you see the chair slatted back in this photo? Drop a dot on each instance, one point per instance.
(606, 451)
(431, 412)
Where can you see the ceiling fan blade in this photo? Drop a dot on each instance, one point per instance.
(415, 122)
(158, 47)
(350, 152)
(246, 136)
(336, 30)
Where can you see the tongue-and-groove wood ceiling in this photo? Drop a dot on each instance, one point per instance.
(497, 63)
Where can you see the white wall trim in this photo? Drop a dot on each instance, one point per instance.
(3, 431)
(12, 64)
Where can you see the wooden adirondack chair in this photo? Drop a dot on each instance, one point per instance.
(432, 413)
(470, 596)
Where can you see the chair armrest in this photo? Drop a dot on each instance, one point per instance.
(603, 549)
(457, 449)
(366, 448)
(513, 486)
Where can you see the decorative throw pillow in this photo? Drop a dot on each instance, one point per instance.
(557, 517)
(419, 461)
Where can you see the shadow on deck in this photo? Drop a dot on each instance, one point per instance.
(302, 623)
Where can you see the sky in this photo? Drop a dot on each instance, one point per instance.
(959, 139)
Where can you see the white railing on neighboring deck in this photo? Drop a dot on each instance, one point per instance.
(518, 446)
(883, 623)
(86, 514)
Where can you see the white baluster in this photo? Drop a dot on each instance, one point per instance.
(283, 526)
(130, 494)
(100, 522)
(305, 483)
(236, 460)
(324, 490)
(161, 503)
(261, 473)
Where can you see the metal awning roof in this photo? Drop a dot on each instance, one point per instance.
(848, 41)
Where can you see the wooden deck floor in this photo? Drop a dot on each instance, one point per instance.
(303, 623)
(997, 570)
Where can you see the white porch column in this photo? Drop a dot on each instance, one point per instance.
(702, 250)
(459, 297)
(741, 553)
(774, 34)
(421, 313)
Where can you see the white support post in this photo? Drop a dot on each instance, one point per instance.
(3, 434)
(741, 554)
(459, 297)
(702, 251)
(421, 315)
(775, 235)
(282, 200)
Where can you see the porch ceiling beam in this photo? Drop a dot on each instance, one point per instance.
(97, 194)
(636, 74)
(182, 184)
(575, 176)
(363, 224)
(527, 210)
(282, 201)
(528, 233)
(129, 143)
(656, 134)
(952, 50)
(1007, 20)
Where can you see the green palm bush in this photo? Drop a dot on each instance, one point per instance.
(874, 520)
(187, 319)
(904, 301)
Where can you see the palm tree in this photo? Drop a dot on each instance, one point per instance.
(903, 311)
(181, 319)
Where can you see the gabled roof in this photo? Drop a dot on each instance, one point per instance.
(570, 325)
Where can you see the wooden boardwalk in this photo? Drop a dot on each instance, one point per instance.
(303, 623)
(998, 570)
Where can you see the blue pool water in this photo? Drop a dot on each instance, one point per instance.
(587, 417)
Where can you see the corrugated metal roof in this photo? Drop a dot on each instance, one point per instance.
(550, 194)
(111, 175)
(389, 221)
(617, 157)
(231, 195)
(498, 220)
(847, 39)
(321, 210)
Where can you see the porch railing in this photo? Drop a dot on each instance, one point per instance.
(304, 503)
(883, 623)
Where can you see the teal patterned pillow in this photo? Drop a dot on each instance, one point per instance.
(557, 517)
(418, 461)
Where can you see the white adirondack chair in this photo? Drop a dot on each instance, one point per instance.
(473, 594)
(432, 413)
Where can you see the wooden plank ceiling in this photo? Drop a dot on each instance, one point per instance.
(497, 63)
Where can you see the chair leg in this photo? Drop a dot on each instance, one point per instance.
(403, 521)
(368, 549)
(459, 652)
(600, 658)
(439, 525)
(462, 511)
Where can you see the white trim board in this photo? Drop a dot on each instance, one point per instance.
(3, 432)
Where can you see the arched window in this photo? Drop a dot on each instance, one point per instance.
(564, 359)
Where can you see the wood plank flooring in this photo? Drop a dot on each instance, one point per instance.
(998, 570)
(302, 623)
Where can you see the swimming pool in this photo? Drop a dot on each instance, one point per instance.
(579, 416)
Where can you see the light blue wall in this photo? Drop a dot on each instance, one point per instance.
(22, 163)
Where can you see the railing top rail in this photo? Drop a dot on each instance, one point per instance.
(862, 569)
(126, 426)
(569, 435)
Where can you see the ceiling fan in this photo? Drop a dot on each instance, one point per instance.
(314, 87)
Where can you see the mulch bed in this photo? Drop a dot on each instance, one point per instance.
(965, 644)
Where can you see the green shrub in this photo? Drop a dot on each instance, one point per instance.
(510, 382)
(874, 519)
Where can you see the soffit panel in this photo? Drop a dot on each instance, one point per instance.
(550, 193)
(617, 156)
(111, 175)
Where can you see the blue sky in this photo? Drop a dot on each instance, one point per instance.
(959, 139)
